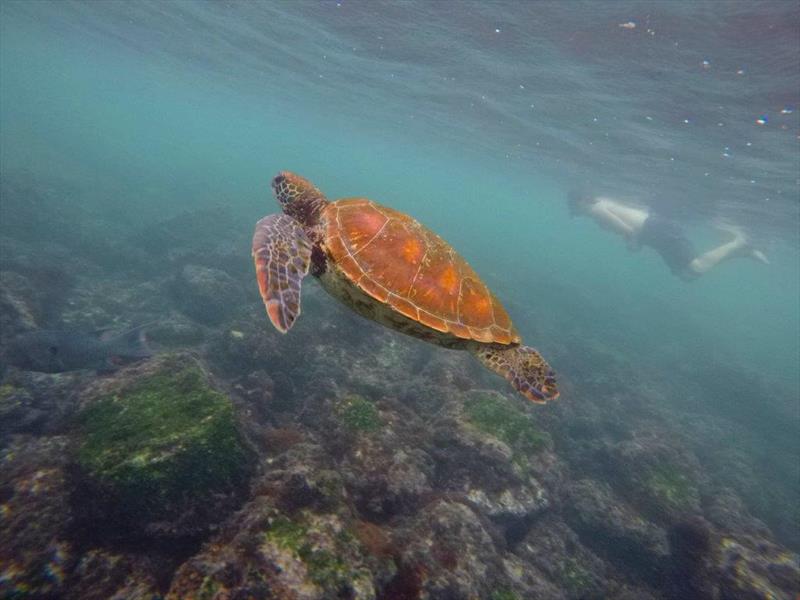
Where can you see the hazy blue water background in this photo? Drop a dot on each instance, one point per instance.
(477, 118)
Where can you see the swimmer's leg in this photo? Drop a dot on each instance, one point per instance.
(737, 246)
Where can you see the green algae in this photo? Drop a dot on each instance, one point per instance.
(209, 589)
(6, 390)
(167, 436)
(358, 413)
(671, 486)
(503, 594)
(326, 568)
(499, 418)
(573, 576)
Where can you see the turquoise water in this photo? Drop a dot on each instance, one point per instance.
(477, 118)
(164, 107)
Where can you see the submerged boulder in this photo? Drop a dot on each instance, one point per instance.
(492, 452)
(34, 551)
(264, 553)
(206, 294)
(160, 453)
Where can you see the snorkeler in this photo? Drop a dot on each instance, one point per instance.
(643, 228)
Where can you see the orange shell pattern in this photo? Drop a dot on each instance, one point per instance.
(400, 262)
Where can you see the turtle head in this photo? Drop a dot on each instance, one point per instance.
(298, 197)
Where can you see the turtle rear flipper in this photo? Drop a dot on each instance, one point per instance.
(282, 255)
(524, 368)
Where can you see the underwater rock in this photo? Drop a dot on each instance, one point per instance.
(614, 530)
(158, 453)
(510, 504)
(174, 330)
(299, 478)
(18, 412)
(207, 295)
(492, 452)
(385, 480)
(707, 564)
(101, 574)
(725, 509)
(37, 403)
(447, 552)
(35, 555)
(752, 569)
(211, 237)
(19, 305)
(557, 555)
(662, 480)
(265, 553)
(241, 348)
(523, 580)
(378, 452)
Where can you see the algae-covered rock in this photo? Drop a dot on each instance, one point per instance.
(669, 487)
(494, 415)
(265, 553)
(494, 454)
(164, 450)
(358, 413)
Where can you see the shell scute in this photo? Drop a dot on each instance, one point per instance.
(397, 261)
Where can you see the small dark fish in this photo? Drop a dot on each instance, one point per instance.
(59, 351)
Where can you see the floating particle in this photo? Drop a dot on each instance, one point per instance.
(740, 72)
(706, 174)
(651, 31)
(686, 121)
(497, 30)
(594, 120)
(749, 144)
(720, 124)
(726, 155)
(706, 64)
(628, 25)
(762, 120)
(787, 110)
(752, 181)
(649, 118)
(522, 87)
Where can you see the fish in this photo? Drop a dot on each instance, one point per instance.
(54, 351)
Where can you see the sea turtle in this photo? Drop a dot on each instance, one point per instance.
(387, 267)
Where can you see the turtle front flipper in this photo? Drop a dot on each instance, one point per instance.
(524, 368)
(282, 254)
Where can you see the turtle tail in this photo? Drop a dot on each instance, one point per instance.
(524, 368)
